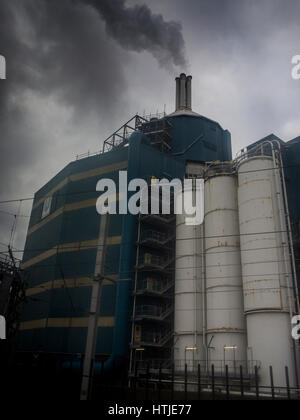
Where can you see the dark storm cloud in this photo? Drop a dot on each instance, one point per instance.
(60, 58)
(138, 29)
(57, 53)
(58, 47)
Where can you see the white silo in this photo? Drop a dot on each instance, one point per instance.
(188, 308)
(267, 282)
(226, 330)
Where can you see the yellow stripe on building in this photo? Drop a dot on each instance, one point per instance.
(51, 192)
(83, 175)
(70, 247)
(69, 207)
(45, 221)
(67, 283)
(103, 321)
(99, 171)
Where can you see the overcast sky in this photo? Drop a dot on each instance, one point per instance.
(79, 69)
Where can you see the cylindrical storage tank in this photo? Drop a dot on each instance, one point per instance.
(226, 330)
(188, 346)
(266, 270)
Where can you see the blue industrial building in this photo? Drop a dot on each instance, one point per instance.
(61, 244)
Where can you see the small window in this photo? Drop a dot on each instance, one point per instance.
(47, 207)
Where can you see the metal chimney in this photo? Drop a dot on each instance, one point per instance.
(177, 105)
(182, 104)
(189, 92)
(183, 92)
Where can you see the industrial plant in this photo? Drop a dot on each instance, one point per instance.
(150, 296)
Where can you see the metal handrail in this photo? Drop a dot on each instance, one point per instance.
(157, 286)
(158, 338)
(153, 310)
(153, 260)
(219, 366)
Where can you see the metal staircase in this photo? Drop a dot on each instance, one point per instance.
(153, 307)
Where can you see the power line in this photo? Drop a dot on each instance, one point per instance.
(237, 235)
(93, 191)
(14, 215)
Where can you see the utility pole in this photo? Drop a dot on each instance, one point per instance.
(92, 333)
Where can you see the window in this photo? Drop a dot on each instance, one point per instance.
(47, 207)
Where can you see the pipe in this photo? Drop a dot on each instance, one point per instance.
(203, 275)
(177, 101)
(182, 104)
(134, 301)
(189, 92)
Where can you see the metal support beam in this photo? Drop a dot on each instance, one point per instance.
(94, 310)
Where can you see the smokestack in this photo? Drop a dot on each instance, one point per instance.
(177, 93)
(182, 102)
(189, 92)
(183, 92)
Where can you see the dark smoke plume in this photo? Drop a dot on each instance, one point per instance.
(138, 29)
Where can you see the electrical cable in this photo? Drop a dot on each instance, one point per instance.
(93, 191)
(62, 246)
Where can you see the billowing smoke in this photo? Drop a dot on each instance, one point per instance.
(65, 83)
(138, 29)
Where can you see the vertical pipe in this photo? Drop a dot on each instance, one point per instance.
(177, 97)
(256, 382)
(203, 291)
(213, 381)
(287, 383)
(182, 91)
(227, 382)
(272, 383)
(134, 300)
(242, 382)
(199, 381)
(172, 389)
(185, 381)
(189, 92)
(92, 332)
